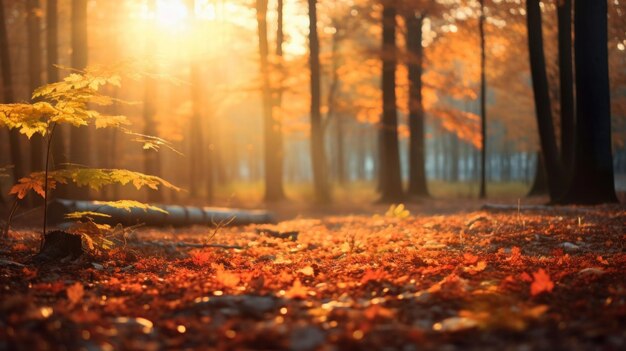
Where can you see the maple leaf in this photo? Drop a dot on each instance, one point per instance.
(105, 121)
(226, 278)
(541, 282)
(397, 211)
(297, 291)
(75, 292)
(33, 182)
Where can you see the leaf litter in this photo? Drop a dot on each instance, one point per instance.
(460, 281)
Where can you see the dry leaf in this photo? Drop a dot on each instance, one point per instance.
(541, 283)
(75, 293)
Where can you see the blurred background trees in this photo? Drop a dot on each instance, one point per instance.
(377, 99)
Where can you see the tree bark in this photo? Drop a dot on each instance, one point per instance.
(417, 163)
(7, 85)
(151, 158)
(592, 181)
(391, 181)
(482, 193)
(564, 18)
(59, 147)
(318, 154)
(542, 100)
(333, 92)
(80, 148)
(278, 119)
(34, 74)
(272, 152)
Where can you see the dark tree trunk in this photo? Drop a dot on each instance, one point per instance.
(592, 181)
(564, 16)
(482, 193)
(390, 182)
(59, 148)
(80, 148)
(540, 182)
(454, 158)
(318, 154)
(417, 163)
(7, 88)
(272, 153)
(34, 73)
(542, 100)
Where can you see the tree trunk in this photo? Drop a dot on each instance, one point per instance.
(542, 100)
(417, 163)
(318, 154)
(151, 158)
(7, 88)
(333, 92)
(34, 74)
(592, 181)
(483, 105)
(564, 17)
(390, 182)
(273, 154)
(540, 182)
(59, 148)
(278, 101)
(80, 148)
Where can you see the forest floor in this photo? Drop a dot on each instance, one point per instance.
(449, 276)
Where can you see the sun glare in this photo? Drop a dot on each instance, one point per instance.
(171, 13)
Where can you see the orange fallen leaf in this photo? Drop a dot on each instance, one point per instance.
(541, 283)
(75, 293)
(297, 291)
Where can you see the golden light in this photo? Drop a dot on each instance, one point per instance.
(171, 13)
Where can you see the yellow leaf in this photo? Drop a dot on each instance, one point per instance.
(308, 270)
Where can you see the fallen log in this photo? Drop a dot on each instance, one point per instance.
(176, 215)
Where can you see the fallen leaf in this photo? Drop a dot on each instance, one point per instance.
(75, 293)
(308, 270)
(541, 283)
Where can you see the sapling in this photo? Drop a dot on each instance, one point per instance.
(69, 102)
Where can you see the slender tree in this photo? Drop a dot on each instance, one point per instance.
(59, 147)
(564, 18)
(272, 152)
(151, 158)
(278, 100)
(417, 162)
(483, 104)
(7, 88)
(34, 73)
(80, 147)
(592, 181)
(318, 154)
(543, 109)
(390, 180)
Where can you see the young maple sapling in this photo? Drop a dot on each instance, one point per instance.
(69, 102)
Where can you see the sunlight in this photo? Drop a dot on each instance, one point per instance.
(171, 13)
